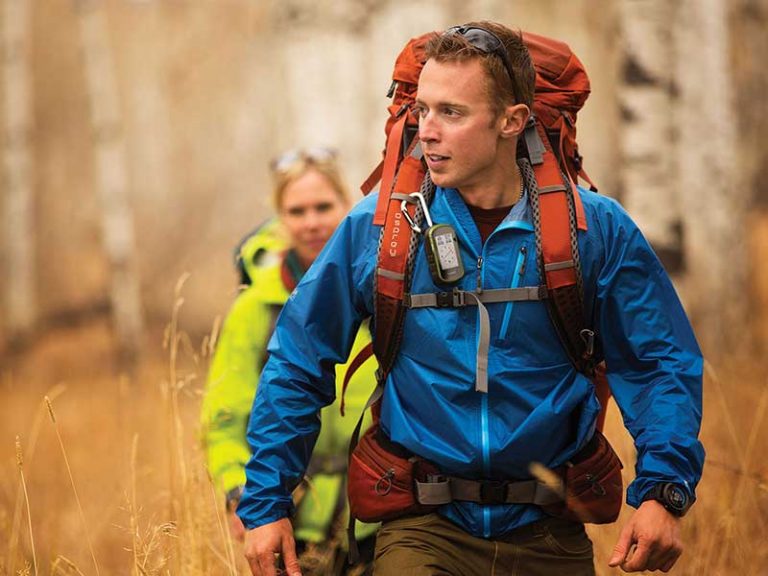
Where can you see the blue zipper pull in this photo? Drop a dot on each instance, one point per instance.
(479, 274)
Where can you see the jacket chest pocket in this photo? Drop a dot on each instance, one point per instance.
(518, 274)
(526, 330)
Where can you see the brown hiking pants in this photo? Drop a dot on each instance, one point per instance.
(430, 545)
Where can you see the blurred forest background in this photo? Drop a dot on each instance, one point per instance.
(136, 140)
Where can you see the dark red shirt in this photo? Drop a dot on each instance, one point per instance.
(487, 219)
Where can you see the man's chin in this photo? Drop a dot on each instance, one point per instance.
(441, 179)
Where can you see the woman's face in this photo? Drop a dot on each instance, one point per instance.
(311, 208)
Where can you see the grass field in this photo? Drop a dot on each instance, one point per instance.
(107, 478)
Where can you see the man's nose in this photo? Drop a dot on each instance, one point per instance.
(428, 128)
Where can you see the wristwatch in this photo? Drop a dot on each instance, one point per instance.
(233, 498)
(673, 497)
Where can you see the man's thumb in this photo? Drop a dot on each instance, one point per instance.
(621, 548)
(290, 559)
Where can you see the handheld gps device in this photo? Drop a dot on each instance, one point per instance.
(441, 245)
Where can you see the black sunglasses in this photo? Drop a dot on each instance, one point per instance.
(489, 43)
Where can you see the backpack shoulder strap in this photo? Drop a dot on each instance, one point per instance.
(558, 215)
(397, 247)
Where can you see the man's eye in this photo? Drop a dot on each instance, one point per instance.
(450, 112)
(324, 207)
(420, 111)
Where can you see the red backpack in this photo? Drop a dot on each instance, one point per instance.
(551, 166)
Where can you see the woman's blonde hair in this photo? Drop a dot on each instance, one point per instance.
(300, 162)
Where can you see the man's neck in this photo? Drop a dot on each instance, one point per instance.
(502, 190)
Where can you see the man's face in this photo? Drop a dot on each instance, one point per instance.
(458, 128)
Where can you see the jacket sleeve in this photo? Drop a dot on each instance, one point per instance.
(653, 360)
(230, 388)
(314, 333)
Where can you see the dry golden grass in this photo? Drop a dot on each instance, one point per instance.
(108, 477)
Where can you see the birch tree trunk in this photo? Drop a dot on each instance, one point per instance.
(18, 227)
(647, 141)
(713, 197)
(111, 178)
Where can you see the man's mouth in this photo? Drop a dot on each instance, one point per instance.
(436, 159)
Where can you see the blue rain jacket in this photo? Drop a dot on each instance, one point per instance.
(538, 407)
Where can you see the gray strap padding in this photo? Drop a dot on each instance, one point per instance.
(389, 274)
(417, 152)
(550, 189)
(434, 493)
(483, 345)
(551, 267)
(458, 298)
(534, 144)
(450, 488)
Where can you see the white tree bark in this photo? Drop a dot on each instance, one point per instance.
(713, 197)
(648, 148)
(18, 226)
(111, 177)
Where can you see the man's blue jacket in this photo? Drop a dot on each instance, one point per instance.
(538, 407)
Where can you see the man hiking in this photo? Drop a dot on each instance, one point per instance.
(481, 388)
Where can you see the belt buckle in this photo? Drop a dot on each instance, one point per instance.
(444, 300)
(493, 491)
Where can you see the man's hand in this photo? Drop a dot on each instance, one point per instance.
(655, 533)
(262, 543)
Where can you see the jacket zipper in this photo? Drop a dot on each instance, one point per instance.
(484, 427)
(517, 277)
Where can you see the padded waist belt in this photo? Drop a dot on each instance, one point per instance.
(446, 489)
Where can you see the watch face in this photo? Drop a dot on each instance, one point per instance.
(676, 498)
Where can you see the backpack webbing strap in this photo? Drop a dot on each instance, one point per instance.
(357, 361)
(373, 179)
(483, 344)
(375, 396)
(389, 169)
(458, 298)
(446, 489)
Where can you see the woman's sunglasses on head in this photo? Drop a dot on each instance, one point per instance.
(315, 155)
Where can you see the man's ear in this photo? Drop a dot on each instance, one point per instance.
(514, 119)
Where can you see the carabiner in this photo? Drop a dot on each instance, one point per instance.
(404, 208)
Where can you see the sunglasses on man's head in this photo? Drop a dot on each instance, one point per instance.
(489, 43)
(289, 159)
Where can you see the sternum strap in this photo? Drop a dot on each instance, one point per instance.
(460, 298)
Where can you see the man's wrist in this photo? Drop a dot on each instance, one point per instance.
(674, 497)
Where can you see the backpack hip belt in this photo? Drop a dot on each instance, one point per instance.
(438, 490)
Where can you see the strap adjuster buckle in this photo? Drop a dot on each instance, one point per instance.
(493, 491)
(453, 299)
(588, 337)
